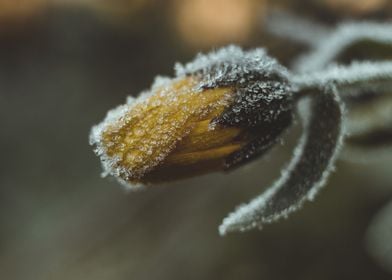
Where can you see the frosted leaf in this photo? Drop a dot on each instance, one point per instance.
(356, 74)
(312, 162)
(379, 238)
(344, 36)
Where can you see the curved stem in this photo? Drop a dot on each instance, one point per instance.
(345, 36)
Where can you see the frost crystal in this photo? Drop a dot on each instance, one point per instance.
(231, 65)
(241, 88)
(311, 164)
(137, 136)
(358, 72)
(232, 92)
(263, 95)
(263, 92)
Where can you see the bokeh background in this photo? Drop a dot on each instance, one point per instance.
(64, 63)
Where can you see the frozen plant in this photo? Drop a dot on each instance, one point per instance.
(227, 108)
(369, 122)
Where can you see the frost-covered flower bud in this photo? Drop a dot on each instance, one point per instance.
(221, 110)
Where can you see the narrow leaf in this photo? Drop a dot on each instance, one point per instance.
(308, 170)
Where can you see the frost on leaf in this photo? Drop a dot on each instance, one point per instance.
(369, 126)
(308, 170)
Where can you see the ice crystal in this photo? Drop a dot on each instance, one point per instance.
(231, 65)
(137, 136)
(248, 93)
(358, 72)
(308, 170)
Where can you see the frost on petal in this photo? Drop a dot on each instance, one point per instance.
(263, 99)
(136, 137)
(232, 66)
(229, 91)
(261, 84)
(312, 162)
(345, 35)
(379, 236)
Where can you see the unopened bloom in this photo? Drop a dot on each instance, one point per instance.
(221, 110)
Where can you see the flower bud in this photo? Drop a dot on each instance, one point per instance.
(221, 110)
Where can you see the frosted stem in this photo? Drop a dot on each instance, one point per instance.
(354, 75)
(345, 36)
(308, 170)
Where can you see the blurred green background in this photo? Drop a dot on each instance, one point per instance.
(64, 64)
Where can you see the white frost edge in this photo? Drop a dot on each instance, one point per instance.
(364, 71)
(242, 219)
(109, 164)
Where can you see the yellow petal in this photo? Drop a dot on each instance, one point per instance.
(153, 126)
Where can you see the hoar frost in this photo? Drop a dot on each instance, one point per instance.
(227, 108)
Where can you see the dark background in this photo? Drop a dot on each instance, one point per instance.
(64, 64)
